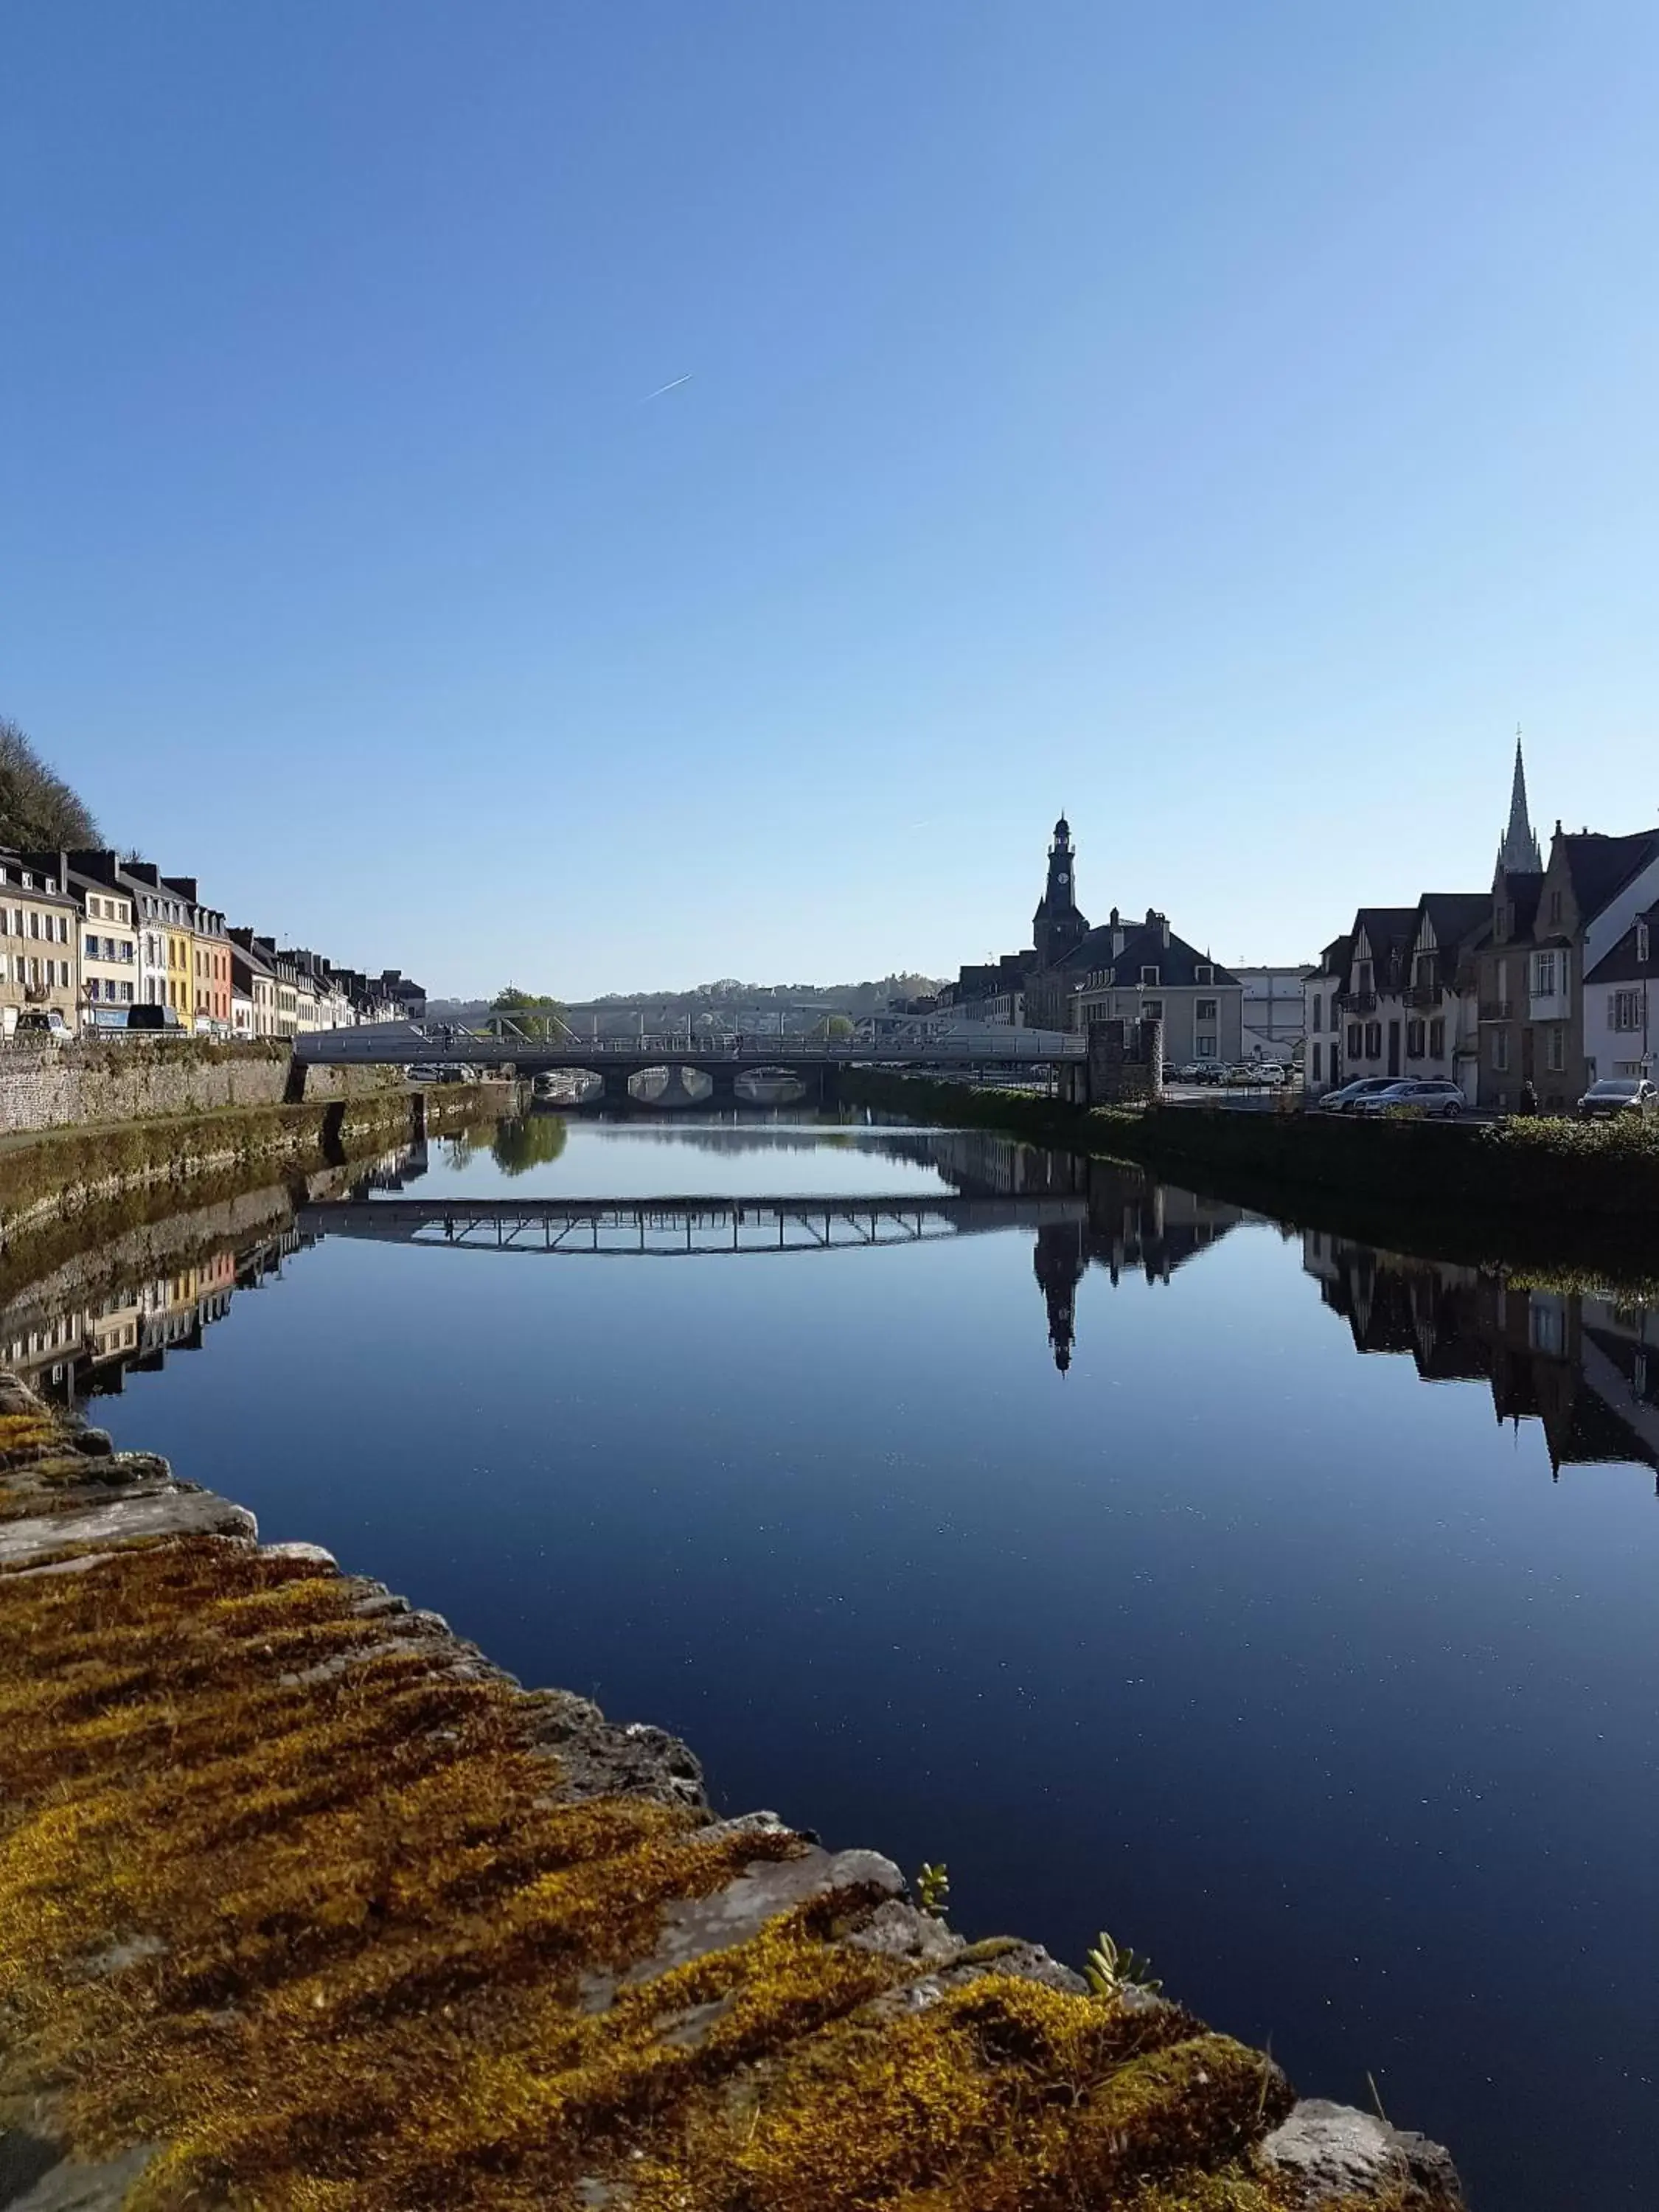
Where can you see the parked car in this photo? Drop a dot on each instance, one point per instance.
(1618, 1094)
(1435, 1097)
(154, 1020)
(1270, 1072)
(1341, 1100)
(35, 1022)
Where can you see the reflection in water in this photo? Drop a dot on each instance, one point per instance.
(160, 1288)
(1585, 1365)
(1251, 1649)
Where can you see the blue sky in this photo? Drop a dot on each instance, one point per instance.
(1224, 421)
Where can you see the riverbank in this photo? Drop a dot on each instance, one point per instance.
(1563, 1201)
(303, 1904)
(85, 1178)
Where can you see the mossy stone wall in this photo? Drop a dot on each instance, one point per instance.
(139, 1078)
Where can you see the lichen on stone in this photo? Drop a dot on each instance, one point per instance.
(294, 1887)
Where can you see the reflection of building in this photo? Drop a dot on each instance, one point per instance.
(70, 1347)
(1134, 1224)
(1586, 1368)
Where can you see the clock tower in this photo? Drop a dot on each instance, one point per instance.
(1058, 926)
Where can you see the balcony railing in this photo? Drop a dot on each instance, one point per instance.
(1497, 1010)
(1357, 1002)
(1423, 994)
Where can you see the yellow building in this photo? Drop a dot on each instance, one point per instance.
(181, 946)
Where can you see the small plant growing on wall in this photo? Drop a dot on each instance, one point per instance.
(1110, 1971)
(933, 1888)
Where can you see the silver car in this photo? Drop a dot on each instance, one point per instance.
(1436, 1098)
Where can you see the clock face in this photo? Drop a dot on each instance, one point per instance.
(1062, 878)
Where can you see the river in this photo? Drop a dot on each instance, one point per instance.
(1283, 1606)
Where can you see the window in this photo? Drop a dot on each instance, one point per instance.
(1373, 1040)
(1413, 1040)
(1314, 1021)
(1203, 973)
(1555, 906)
(1437, 1037)
(1555, 1048)
(1149, 975)
(1625, 1010)
(1543, 974)
(1318, 1070)
(127, 993)
(1151, 1010)
(1500, 1052)
(1545, 1325)
(1643, 947)
(1206, 1047)
(1353, 1040)
(1367, 977)
(1204, 1010)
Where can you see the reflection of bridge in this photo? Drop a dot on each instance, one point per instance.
(666, 1227)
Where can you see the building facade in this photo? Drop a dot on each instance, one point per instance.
(1151, 975)
(39, 943)
(1323, 1068)
(107, 928)
(1621, 1005)
(1124, 971)
(1274, 1013)
(1549, 935)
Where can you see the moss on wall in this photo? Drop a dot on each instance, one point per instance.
(66, 1173)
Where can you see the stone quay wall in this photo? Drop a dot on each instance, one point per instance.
(98, 1080)
(69, 1174)
(310, 1903)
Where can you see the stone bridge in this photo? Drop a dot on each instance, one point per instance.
(722, 1059)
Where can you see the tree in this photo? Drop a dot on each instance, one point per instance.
(520, 1145)
(536, 1014)
(37, 810)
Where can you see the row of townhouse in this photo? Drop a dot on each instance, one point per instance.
(1543, 985)
(85, 934)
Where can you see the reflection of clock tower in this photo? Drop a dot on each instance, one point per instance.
(1057, 926)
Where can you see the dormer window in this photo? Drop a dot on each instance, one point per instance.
(1149, 975)
(1203, 973)
(1643, 952)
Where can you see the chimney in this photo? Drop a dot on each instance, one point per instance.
(1164, 919)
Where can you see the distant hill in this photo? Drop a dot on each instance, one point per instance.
(726, 1003)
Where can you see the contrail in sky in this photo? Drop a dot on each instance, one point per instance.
(673, 385)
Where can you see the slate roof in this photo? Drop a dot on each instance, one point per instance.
(1457, 917)
(1618, 963)
(1522, 890)
(1176, 962)
(1599, 867)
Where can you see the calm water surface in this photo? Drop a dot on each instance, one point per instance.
(1285, 1608)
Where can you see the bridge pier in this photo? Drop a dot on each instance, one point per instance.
(615, 1090)
(725, 1082)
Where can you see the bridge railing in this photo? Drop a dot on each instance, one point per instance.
(411, 1041)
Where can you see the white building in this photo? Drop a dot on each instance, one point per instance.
(1621, 1005)
(1321, 1066)
(1274, 1011)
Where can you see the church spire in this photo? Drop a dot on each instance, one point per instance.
(1519, 852)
